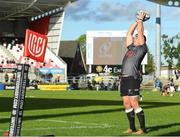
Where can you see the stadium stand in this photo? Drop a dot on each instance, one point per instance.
(13, 55)
(48, 20)
(6, 60)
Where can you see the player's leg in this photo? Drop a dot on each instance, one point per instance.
(130, 114)
(140, 114)
(134, 99)
(124, 90)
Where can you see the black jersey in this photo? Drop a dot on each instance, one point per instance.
(132, 60)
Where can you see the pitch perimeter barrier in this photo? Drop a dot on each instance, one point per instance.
(62, 87)
(1, 86)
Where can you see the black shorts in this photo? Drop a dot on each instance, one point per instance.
(130, 86)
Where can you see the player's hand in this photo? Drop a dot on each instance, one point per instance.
(141, 16)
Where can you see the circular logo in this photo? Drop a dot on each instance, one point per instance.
(99, 68)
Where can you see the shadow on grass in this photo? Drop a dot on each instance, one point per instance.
(176, 133)
(47, 103)
(155, 128)
(64, 114)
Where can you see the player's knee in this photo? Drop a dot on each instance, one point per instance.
(127, 104)
(135, 104)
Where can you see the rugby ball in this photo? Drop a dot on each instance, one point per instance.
(146, 17)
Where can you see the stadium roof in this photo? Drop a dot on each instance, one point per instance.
(18, 9)
(172, 3)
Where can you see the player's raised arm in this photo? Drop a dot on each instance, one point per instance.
(140, 28)
(129, 36)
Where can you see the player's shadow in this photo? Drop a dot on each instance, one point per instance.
(160, 127)
(176, 133)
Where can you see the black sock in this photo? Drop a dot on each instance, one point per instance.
(141, 119)
(131, 118)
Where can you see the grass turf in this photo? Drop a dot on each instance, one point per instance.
(89, 113)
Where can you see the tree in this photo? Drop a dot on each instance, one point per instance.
(171, 51)
(82, 43)
(177, 55)
(150, 67)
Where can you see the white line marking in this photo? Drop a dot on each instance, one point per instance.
(70, 127)
(75, 122)
(78, 125)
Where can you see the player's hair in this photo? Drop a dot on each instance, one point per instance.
(144, 37)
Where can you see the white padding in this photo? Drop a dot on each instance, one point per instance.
(129, 110)
(138, 110)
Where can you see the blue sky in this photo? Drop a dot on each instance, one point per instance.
(86, 15)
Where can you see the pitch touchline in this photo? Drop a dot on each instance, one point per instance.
(70, 127)
(74, 122)
(84, 125)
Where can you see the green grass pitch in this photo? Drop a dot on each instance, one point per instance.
(89, 113)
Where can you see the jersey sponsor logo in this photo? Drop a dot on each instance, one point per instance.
(130, 54)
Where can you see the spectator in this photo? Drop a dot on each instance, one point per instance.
(6, 77)
(89, 85)
(13, 78)
(166, 90)
(177, 73)
(97, 86)
(57, 79)
(93, 83)
(158, 84)
(102, 86)
(109, 85)
(171, 85)
(114, 86)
